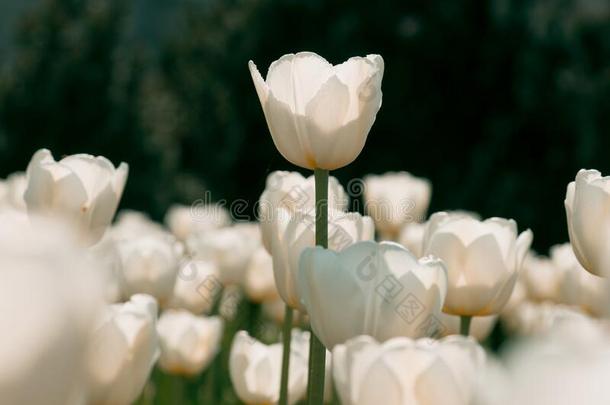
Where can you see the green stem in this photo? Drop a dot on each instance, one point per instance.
(286, 338)
(317, 351)
(465, 325)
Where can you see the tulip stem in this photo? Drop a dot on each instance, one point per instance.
(286, 338)
(465, 325)
(317, 351)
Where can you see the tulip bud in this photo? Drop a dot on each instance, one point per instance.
(184, 221)
(396, 200)
(404, 371)
(124, 349)
(376, 289)
(483, 259)
(150, 264)
(412, 237)
(319, 115)
(298, 233)
(292, 192)
(12, 190)
(541, 278)
(586, 203)
(231, 248)
(259, 280)
(255, 370)
(197, 287)
(81, 188)
(579, 287)
(188, 342)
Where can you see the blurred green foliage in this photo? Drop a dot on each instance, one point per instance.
(499, 103)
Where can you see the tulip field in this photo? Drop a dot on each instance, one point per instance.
(309, 301)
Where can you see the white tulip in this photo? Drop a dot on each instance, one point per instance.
(106, 254)
(412, 237)
(150, 264)
(298, 233)
(587, 206)
(483, 259)
(259, 280)
(81, 188)
(541, 278)
(49, 295)
(531, 318)
(292, 192)
(579, 287)
(197, 286)
(319, 115)
(189, 343)
(395, 200)
(185, 221)
(404, 371)
(376, 289)
(123, 351)
(255, 371)
(134, 224)
(231, 248)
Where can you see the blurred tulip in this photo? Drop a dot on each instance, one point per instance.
(134, 224)
(13, 190)
(412, 237)
(255, 370)
(483, 259)
(319, 115)
(563, 367)
(231, 248)
(541, 278)
(275, 310)
(49, 295)
(197, 286)
(106, 254)
(123, 351)
(292, 192)
(188, 342)
(81, 188)
(531, 318)
(395, 200)
(150, 264)
(480, 328)
(184, 221)
(259, 281)
(587, 201)
(298, 233)
(404, 371)
(579, 287)
(376, 289)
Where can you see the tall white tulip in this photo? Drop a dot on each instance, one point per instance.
(150, 264)
(124, 349)
(49, 295)
(319, 115)
(587, 206)
(404, 371)
(483, 259)
(81, 188)
(376, 289)
(255, 370)
(291, 192)
(189, 343)
(394, 200)
(298, 233)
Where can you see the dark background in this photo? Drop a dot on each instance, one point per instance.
(497, 102)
